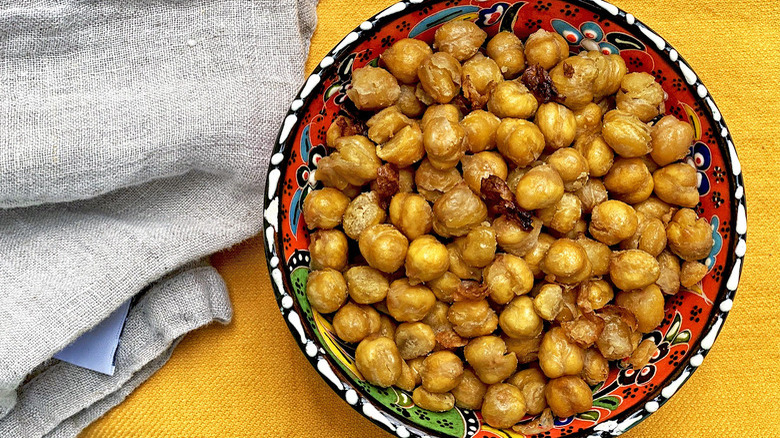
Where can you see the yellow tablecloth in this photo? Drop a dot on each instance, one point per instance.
(250, 379)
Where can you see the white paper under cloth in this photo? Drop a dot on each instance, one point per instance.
(134, 138)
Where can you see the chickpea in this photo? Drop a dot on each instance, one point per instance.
(650, 236)
(383, 247)
(405, 148)
(445, 286)
(548, 301)
(689, 237)
(512, 238)
(478, 247)
(503, 405)
(536, 254)
(436, 318)
(629, 180)
(440, 77)
(461, 39)
(563, 216)
(566, 262)
(470, 391)
(448, 111)
(481, 165)
(591, 194)
(595, 369)
(324, 208)
(459, 267)
(615, 341)
(373, 88)
(519, 141)
(653, 207)
(525, 349)
(574, 78)
(326, 290)
(408, 102)
(426, 259)
(594, 295)
(546, 49)
(571, 166)
(432, 401)
(458, 211)
(366, 285)
(506, 50)
(490, 359)
(480, 129)
(471, 319)
(613, 221)
(441, 372)
(612, 70)
(363, 212)
(557, 124)
(541, 187)
(514, 177)
(411, 214)
(409, 303)
(414, 339)
(478, 76)
(647, 306)
(386, 327)
(633, 269)
(598, 253)
(408, 379)
(328, 249)
(568, 395)
(432, 183)
(421, 94)
(641, 95)
(341, 126)
(671, 140)
(519, 319)
(353, 323)
(628, 136)
(570, 311)
(677, 184)
(506, 277)
(588, 119)
(378, 360)
(580, 227)
(443, 141)
(692, 273)
(354, 162)
(405, 180)
(531, 382)
(417, 365)
(558, 356)
(383, 125)
(404, 57)
(596, 152)
(669, 279)
(512, 99)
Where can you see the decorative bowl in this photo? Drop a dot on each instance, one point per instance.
(694, 317)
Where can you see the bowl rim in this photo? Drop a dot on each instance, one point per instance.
(652, 401)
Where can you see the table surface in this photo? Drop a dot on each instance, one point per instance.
(250, 379)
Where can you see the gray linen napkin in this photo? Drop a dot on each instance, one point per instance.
(134, 136)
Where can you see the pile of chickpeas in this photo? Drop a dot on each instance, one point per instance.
(516, 309)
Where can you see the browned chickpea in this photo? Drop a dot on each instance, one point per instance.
(612, 221)
(353, 323)
(525, 349)
(440, 77)
(628, 136)
(445, 286)
(692, 273)
(409, 303)
(599, 254)
(536, 254)
(432, 183)
(459, 267)
(540, 187)
(341, 127)
(426, 259)
(480, 128)
(647, 306)
(689, 237)
(512, 238)
(653, 207)
(629, 180)
(591, 194)
(408, 379)
(481, 165)
(469, 392)
(472, 318)
(506, 277)
(512, 99)
(519, 319)
(672, 139)
(574, 78)
(408, 102)
(404, 57)
(328, 249)
(669, 279)
(570, 311)
(326, 290)
(478, 247)
(366, 285)
(378, 360)
(441, 372)
(405, 180)
(641, 95)
(594, 295)
(414, 339)
(548, 301)
(615, 341)
(383, 125)
(588, 119)
(436, 318)
(564, 215)
(568, 395)
(386, 327)
(361, 213)
(566, 262)
(611, 70)
(506, 50)
(433, 402)
(443, 141)
(519, 141)
(405, 148)
(489, 358)
(571, 166)
(650, 236)
(558, 356)
(458, 211)
(461, 39)
(324, 208)
(383, 247)
(531, 382)
(478, 76)
(503, 406)
(595, 369)
(633, 269)
(354, 162)
(596, 152)
(557, 124)
(677, 184)
(373, 88)
(546, 49)
(411, 214)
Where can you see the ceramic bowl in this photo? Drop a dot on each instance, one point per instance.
(693, 316)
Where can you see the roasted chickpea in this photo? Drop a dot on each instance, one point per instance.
(432, 183)
(531, 382)
(448, 111)
(599, 254)
(671, 140)
(378, 360)
(633, 269)
(409, 303)
(440, 77)
(669, 279)
(408, 379)
(641, 95)
(574, 79)
(616, 340)
(611, 70)
(470, 391)
(461, 39)
(564, 215)
(519, 141)
(506, 277)
(411, 214)
(536, 254)
(656, 208)
(386, 327)
(596, 152)
(548, 301)
(445, 286)
(478, 247)
(490, 359)
(512, 99)
(689, 237)
(408, 102)
(366, 285)
(404, 148)
(506, 50)
(519, 319)
(557, 124)
(540, 187)
(443, 141)
(512, 238)
(594, 295)
(404, 57)
(324, 208)
(436, 318)
(405, 180)
(526, 349)
(459, 267)
(568, 395)
(383, 125)
(426, 259)
(558, 356)
(628, 136)
(503, 405)
(361, 213)
(566, 262)
(354, 162)
(481, 165)
(595, 369)
(478, 77)
(353, 323)
(591, 194)
(342, 127)
(692, 273)
(458, 211)
(328, 249)
(580, 228)
(433, 401)
(441, 372)
(570, 311)
(546, 49)
(676, 184)
(414, 339)
(373, 88)
(588, 119)
(629, 180)
(383, 247)
(472, 318)
(571, 166)
(480, 129)
(647, 306)
(612, 221)
(650, 236)
(326, 290)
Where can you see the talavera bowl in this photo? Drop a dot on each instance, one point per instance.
(693, 317)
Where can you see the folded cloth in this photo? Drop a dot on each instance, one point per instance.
(134, 137)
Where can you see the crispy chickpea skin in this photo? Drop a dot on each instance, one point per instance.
(519, 319)
(443, 142)
(458, 211)
(383, 247)
(676, 184)
(519, 141)
(628, 136)
(640, 95)
(536, 254)
(432, 183)
(426, 259)
(409, 303)
(599, 254)
(414, 339)
(540, 187)
(512, 99)
(506, 50)
(366, 285)
(596, 368)
(615, 341)
(480, 129)
(324, 208)
(633, 269)
(404, 57)
(558, 356)
(353, 323)
(506, 277)
(503, 406)
(646, 304)
(692, 273)
(489, 358)
(613, 221)
(629, 180)
(594, 295)
(568, 395)
(445, 286)
(373, 88)
(596, 152)
(671, 140)
(363, 212)
(481, 165)
(478, 247)
(432, 401)
(689, 237)
(669, 279)
(546, 49)
(448, 111)
(526, 349)
(328, 249)
(571, 166)
(436, 318)
(557, 124)
(408, 102)
(512, 238)
(469, 392)
(564, 215)
(531, 382)
(478, 77)
(574, 78)
(411, 214)
(378, 361)
(461, 39)
(326, 290)
(440, 76)
(567, 262)
(441, 372)
(472, 318)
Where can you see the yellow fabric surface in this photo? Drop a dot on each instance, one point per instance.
(249, 379)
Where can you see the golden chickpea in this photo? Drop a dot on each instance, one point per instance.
(383, 247)
(580, 227)
(506, 50)
(459, 267)
(506, 277)
(647, 306)
(373, 88)
(405, 180)
(628, 136)
(341, 127)
(588, 119)
(326, 290)
(596, 152)
(531, 382)
(480, 128)
(481, 165)
(557, 123)
(570, 311)
(383, 125)
(458, 211)
(616, 340)
(386, 327)
(546, 49)
(426, 259)
(366, 285)
(536, 254)
(650, 236)
(612, 221)
(478, 76)
(409, 303)
(512, 99)
(558, 356)
(469, 392)
(540, 187)
(591, 194)
(519, 319)
(566, 262)
(354, 162)
(411, 214)
(653, 207)
(404, 148)
(448, 111)
(548, 301)
(328, 249)
(514, 177)
(525, 349)
(519, 141)
(671, 140)
(432, 401)
(404, 57)
(512, 238)
(633, 269)
(611, 70)
(361, 213)
(571, 166)
(574, 79)
(564, 215)
(378, 360)
(689, 237)
(353, 323)
(414, 339)
(443, 141)
(408, 102)
(461, 39)
(440, 77)
(408, 379)
(629, 180)
(436, 318)
(445, 286)
(417, 365)
(594, 295)
(568, 395)
(432, 183)
(669, 279)
(641, 95)
(472, 318)
(677, 184)
(503, 406)
(441, 372)
(490, 359)
(599, 254)
(478, 247)
(692, 273)
(595, 369)
(324, 208)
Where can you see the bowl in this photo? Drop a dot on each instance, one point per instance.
(694, 316)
